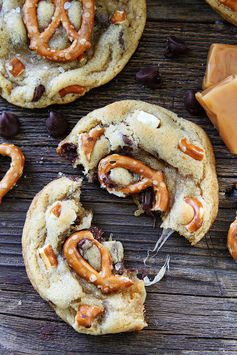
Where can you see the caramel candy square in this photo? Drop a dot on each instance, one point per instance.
(220, 104)
(221, 63)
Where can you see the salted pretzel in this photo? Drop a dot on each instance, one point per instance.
(230, 3)
(192, 150)
(198, 209)
(39, 41)
(14, 173)
(104, 280)
(151, 178)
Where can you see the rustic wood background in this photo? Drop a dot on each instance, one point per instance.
(194, 309)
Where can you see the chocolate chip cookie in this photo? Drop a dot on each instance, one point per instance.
(74, 269)
(53, 52)
(146, 151)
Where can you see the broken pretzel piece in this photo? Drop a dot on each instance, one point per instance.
(192, 150)
(89, 140)
(87, 314)
(229, 3)
(16, 67)
(72, 89)
(151, 178)
(198, 209)
(104, 280)
(118, 17)
(48, 256)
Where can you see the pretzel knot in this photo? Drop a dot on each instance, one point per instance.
(40, 40)
(16, 168)
(105, 279)
(151, 178)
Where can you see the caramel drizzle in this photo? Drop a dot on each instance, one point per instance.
(192, 150)
(87, 314)
(197, 220)
(39, 41)
(151, 178)
(16, 168)
(104, 280)
(89, 140)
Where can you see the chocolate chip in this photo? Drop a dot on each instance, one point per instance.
(9, 124)
(102, 19)
(108, 182)
(191, 104)
(231, 192)
(149, 77)
(81, 243)
(68, 151)
(39, 91)
(147, 200)
(175, 47)
(121, 40)
(97, 234)
(56, 124)
(127, 140)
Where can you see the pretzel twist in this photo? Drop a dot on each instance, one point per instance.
(151, 178)
(197, 220)
(16, 168)
(232, 239)
(104, 279)
(39, 41)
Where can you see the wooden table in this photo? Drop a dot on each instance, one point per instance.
(194, 308)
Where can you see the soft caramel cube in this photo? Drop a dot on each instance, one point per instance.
(220, 104)
(221, 63)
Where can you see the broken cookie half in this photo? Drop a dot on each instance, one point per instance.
(74, 269)
(146, 151)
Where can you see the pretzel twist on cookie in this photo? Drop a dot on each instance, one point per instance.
(16, 168)
(39, 41)
(151, 178)
(104, 280)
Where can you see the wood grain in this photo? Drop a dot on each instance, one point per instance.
(194, 309)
